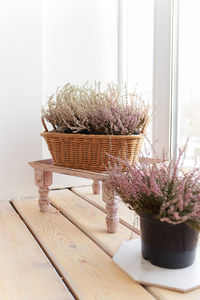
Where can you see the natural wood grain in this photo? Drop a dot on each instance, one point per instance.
(6, 210)
(96, 187)
(126, 215)
(90, 219)
(87, 268)
(43, 179)
(164, 294)
(47, 165)
(112, 205)
(25, 272)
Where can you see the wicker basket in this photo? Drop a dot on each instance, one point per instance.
(89, 152)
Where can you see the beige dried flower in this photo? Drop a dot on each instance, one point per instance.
(90, 110)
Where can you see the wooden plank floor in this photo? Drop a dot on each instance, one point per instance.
(67, 253)
(25, 271)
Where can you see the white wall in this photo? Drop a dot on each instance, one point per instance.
(79, 44)
(20, 95)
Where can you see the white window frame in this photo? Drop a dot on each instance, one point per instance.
(165, 75)
(122, 72)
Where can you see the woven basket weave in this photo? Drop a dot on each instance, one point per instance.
(89, 152)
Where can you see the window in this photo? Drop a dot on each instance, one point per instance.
(140, 50)
(140, 47)
(136, 48)
(188, 104)
(145, 59)
(168, 29)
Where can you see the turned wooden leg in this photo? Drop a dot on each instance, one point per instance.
(96, 187)
(43, 179)
(112, 219)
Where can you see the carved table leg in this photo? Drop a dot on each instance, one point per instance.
(112, 219)
(96, 187)
(43, 179)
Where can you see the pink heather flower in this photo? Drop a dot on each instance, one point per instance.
(161, 189)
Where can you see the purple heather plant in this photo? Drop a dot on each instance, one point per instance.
(91, 110)
(161, 189)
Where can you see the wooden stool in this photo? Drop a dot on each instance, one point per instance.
(43, 179)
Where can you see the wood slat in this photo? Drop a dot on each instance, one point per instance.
(88, 269)
(6, 209)
(164, 294)
(125, 214)
(91, 220)
(25, 272)
(47, 165)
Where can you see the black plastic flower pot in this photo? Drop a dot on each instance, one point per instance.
(166, 245)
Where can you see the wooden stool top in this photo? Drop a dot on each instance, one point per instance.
(47, 165)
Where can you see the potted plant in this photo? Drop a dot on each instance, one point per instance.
(89, 122)
(168, 203)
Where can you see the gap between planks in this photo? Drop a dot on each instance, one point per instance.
(26, 271)
(107, 250)
(82, 230)
(63, 200)
(125, 215)
(44, 251)
(54, 229)
(90, 220)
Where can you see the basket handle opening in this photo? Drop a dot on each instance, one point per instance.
(145, 125)
(45, 126)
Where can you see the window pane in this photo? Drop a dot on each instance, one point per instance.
(189, 78)
(140, 49)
